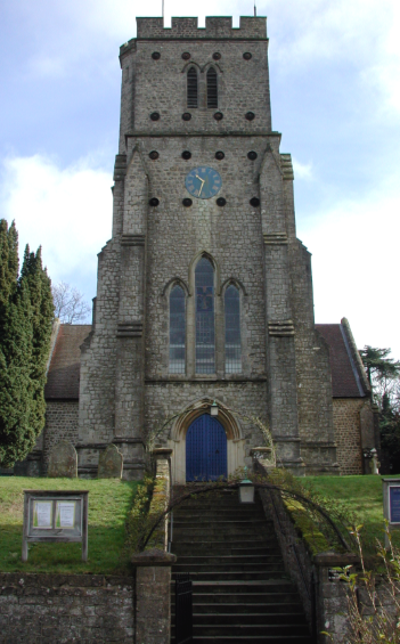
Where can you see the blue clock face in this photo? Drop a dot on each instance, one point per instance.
(203, 182)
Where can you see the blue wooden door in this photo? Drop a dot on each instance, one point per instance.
(206, 450)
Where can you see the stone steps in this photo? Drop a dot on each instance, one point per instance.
(241, 591)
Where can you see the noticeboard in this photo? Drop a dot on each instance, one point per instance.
(394, 504)
(55, 516)
(391, 505)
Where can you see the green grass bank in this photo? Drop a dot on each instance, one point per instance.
(109, 503)
(359, 496)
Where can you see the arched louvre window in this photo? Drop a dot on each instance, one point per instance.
(192, 87)
(177, 330)
(205, 336)
(233, 345)
(212, 88)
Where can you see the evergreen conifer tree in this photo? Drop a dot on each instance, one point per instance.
(26, 312)
(39, 289)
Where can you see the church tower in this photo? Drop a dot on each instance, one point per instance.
(204, 301)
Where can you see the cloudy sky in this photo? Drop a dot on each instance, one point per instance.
(335, 84)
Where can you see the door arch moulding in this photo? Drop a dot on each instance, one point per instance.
(232, 428)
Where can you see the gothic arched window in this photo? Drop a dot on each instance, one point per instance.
(212, 88)
(205, 335)
(192, 87)
(233, 345)
(177, 330)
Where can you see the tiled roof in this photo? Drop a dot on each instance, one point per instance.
(346, 380)
(63, 374)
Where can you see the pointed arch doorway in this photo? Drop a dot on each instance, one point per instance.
(206, 450)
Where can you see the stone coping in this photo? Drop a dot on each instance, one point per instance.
(23, 579)
(330, 559)
(153, 557)
(160, 452)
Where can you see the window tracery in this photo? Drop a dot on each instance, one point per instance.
(205, 332)
(177, 330)
(233, 345)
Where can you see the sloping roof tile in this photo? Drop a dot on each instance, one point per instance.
(63, 374)
(345, 379)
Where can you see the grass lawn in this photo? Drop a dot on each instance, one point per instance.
(362, 497)
(109, 502)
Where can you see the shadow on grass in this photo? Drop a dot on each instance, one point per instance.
(107, 553)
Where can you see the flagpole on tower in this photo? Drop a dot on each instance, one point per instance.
(163, 10)
(255, 9)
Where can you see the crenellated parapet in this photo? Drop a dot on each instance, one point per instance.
(216, 27)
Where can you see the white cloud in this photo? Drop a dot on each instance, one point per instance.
(302, 170)
(355, 265)
(67, 211)
(360, 34)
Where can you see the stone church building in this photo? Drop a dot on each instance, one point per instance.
(203, 320)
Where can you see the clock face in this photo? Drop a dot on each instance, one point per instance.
(203, 182)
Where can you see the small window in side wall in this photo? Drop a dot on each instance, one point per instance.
(177, 340)
(212, 88)
(205, 333)
(233, 344)
(192, 87)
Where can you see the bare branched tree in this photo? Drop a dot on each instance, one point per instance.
(69, 304)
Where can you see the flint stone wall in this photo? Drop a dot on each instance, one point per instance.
(89, 609)
(61, 424)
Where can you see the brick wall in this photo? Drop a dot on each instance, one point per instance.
(89, 609)
(346, 419)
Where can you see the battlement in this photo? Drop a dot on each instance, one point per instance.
(216, 28)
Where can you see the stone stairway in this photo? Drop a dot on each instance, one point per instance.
(241, 592)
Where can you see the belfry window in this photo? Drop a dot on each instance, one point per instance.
(205, 334)
(177, 330)
(212, 88)
(192, 87)
(233, 345)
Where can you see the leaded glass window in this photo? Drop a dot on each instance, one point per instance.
(192, 87)
(177, 330)
(212, 88)
(233, 345)
(205, 335)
